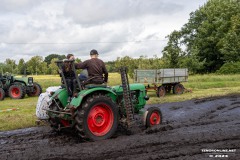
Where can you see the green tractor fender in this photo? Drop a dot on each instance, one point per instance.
(82, 96)
(23, 80)
(19, 82)
(61, 95)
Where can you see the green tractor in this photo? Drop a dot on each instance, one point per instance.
(17, 88)
(96, 111)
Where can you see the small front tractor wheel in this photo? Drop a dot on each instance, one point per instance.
(16, 92)
(97, 118)
(37, 90)
(153, 117)
(161, 91)
(178, 89)
(2, 94)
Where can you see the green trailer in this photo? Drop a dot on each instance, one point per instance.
(162, 80)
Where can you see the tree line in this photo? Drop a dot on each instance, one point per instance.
(208, 43)
(35, 66)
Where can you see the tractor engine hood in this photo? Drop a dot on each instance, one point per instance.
(134, 86)
(27, 80)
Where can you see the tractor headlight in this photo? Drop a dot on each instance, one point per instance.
(146, 97)
(30, 80)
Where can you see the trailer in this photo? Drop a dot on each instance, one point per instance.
(162, 80)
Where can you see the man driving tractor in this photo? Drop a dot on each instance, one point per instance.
(94, 72)
(97, 72)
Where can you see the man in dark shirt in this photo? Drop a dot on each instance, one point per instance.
(97, 72)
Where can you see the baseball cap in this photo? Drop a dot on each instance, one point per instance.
(93, 52)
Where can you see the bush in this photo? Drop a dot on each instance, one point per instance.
(229, 68)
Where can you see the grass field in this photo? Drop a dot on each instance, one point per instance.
(201, 86)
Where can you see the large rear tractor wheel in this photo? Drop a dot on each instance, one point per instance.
(161, 91)
(2, 94)
(153, 116)
(97, 119)
(37, 90)
(16, 92)
(178, 89)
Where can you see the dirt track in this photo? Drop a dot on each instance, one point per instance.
(189, 127)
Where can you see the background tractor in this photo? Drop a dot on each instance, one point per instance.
(17, 87)
(96, 111)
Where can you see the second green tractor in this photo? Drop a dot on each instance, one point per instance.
(18, 87)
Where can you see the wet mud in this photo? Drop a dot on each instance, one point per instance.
(189, 130)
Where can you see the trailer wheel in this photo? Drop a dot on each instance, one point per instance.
(97, 119)
(161, 91)
(2, 94)
(178, 89)
(37, 90)
(16, 92)
(153, 117)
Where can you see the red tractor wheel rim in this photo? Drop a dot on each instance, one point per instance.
(100, 119)
(155, 118)
(15, 92)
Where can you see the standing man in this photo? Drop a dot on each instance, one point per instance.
(97, 72)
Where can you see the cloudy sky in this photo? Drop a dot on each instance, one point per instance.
(115, 28)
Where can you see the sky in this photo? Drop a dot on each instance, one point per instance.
(116, 28)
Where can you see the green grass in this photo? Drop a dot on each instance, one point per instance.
(23, 117)
(201, 86)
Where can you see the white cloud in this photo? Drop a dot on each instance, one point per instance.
(114, 28)
(89, 12)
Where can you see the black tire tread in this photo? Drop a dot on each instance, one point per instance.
(39, 87)
(2, 94)
(175, 88)
(82, 110)
(150, 111)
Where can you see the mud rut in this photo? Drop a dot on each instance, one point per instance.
(189, 127)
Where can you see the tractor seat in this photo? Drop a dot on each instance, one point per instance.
(89, 86)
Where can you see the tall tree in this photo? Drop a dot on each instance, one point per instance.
(231, 42)
(11, 66)
(34, 65)
(49, 58)
(211, 34)
(2, 68)
(21, 66)
(173, 51)
(53, 67)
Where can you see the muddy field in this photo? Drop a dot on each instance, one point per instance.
(196, 129)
